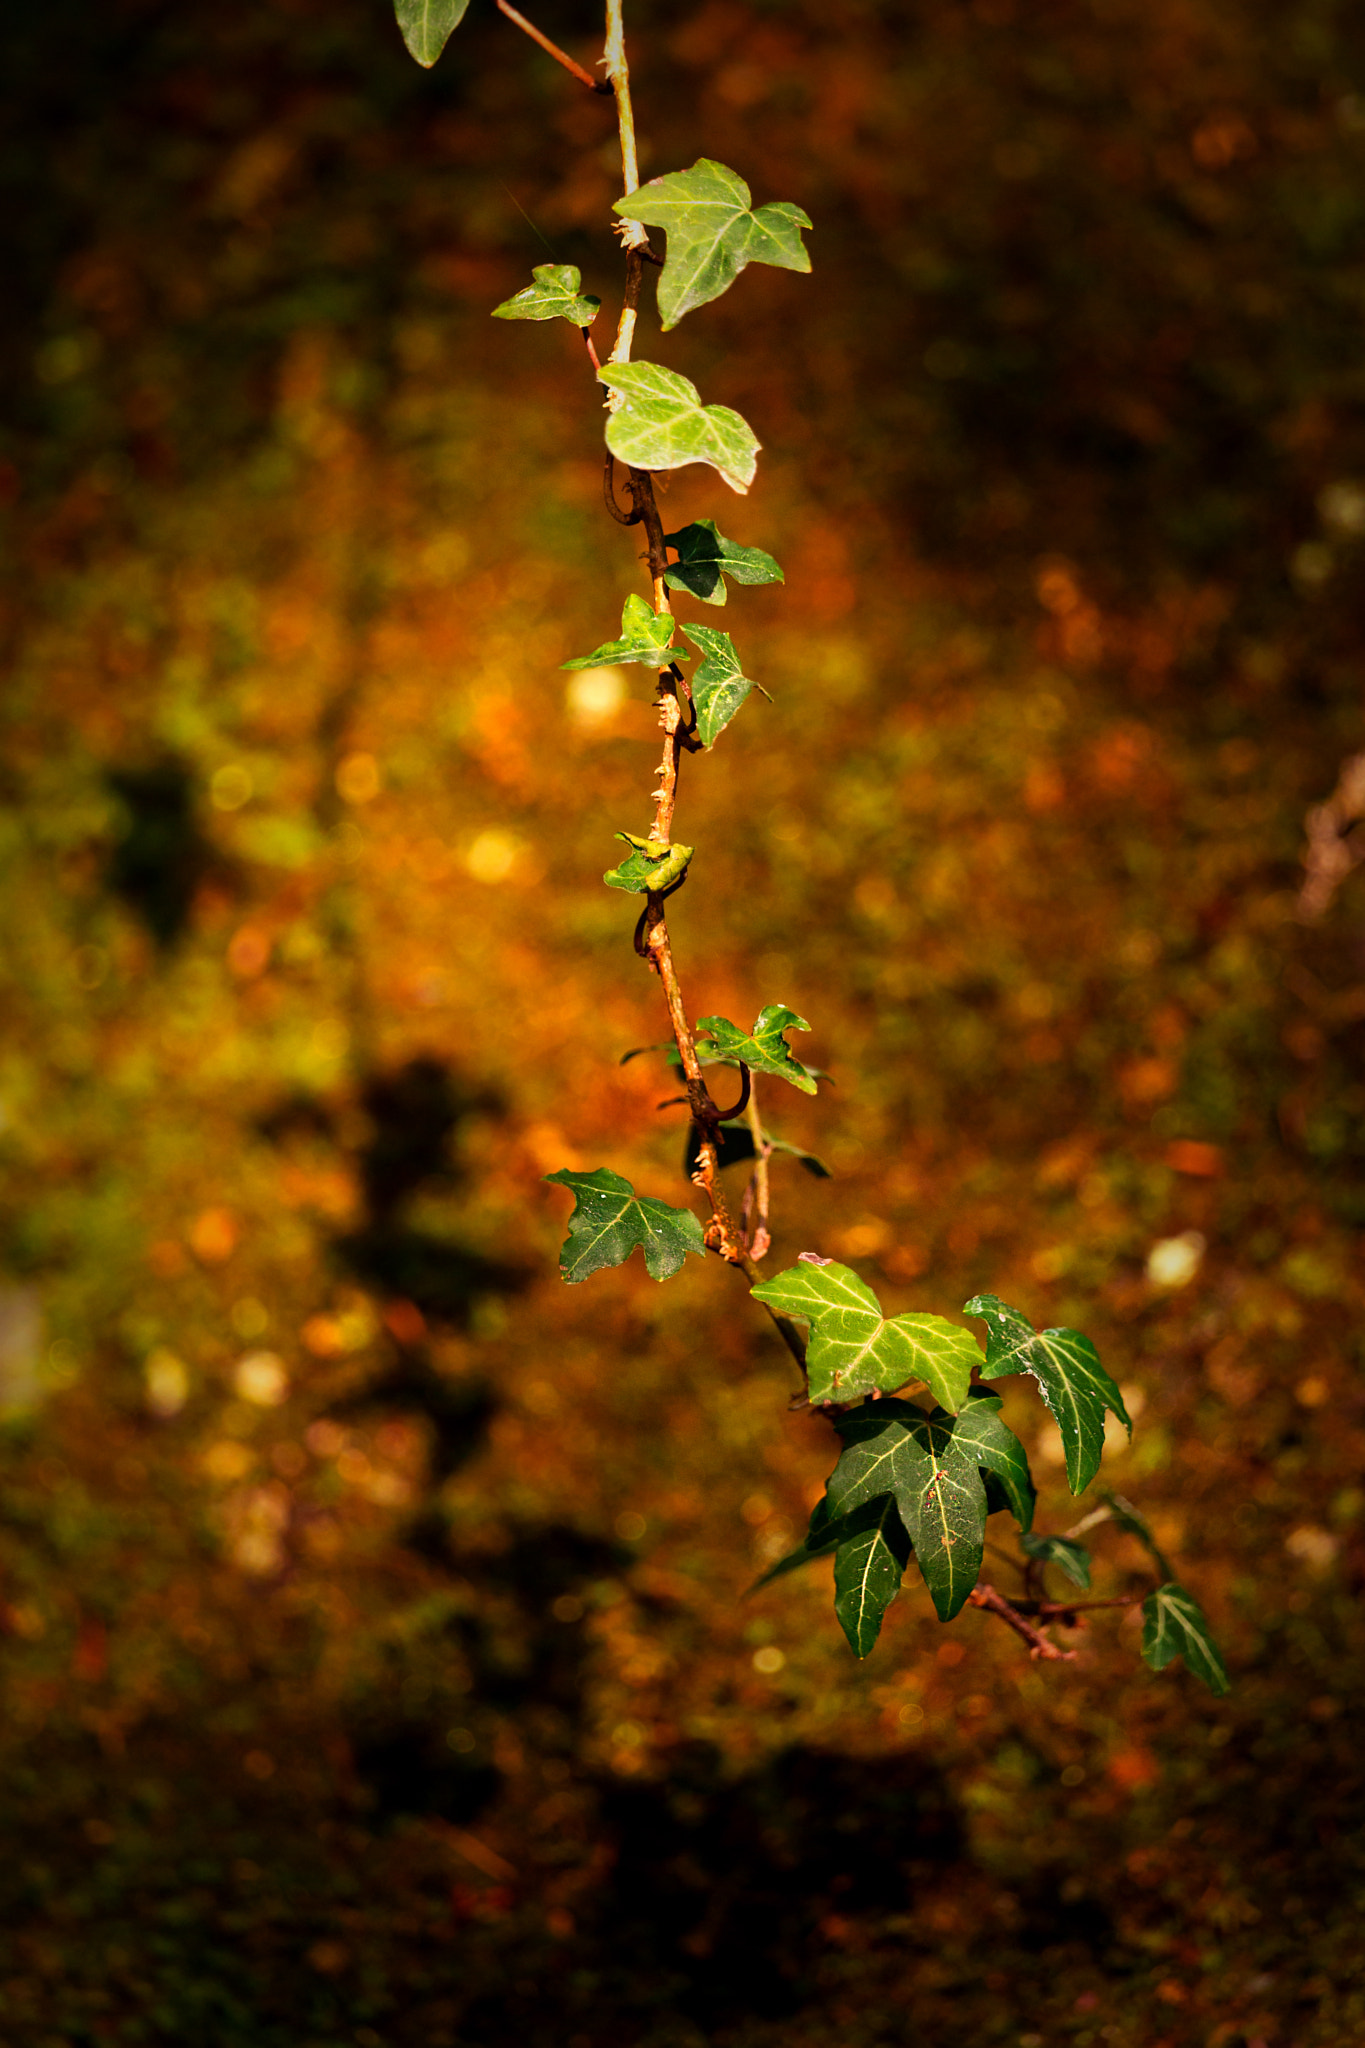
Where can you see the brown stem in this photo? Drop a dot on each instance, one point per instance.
(602, 85)
(1039, 1645)
(722, 1234)
(759, 1240)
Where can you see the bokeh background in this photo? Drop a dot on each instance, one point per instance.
(377, 1666)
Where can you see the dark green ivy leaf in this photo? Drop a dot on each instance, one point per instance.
(870, 1550)
(719, 686)
(854, 1351)
(648, 866)
(555, 295)
(999, 1453)
(712, 233)
(736, 1145)
(1071, 1559)
(427, 25)
(661, 423)
(1074, 1384)
(645, 637)
(1173, 1625)
(764, 1050)
(609, 1219)
(706, 558)
(933, 1476)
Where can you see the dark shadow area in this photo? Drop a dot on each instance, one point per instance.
(160, 855)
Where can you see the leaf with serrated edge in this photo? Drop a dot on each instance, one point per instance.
(706, 558)
(609, 1219)
(712, 233)
(555, 295)
(661, 423)
(998, 1451)
(645, 637)
(427, 26)
(853, 1351)
(868, 1569)
(764, 1050)
(648, 867)
(1173, 1625)
(1074, 1384)
(894, 1447)
(719, 686)
(1071, 1559)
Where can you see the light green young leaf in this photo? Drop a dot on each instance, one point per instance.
(648, 867)
(661, 423)
(645, 637)
(609, 1219)
(712, 234)
(1074, 1384)
(719, 686)
(427, 25)
(933, 1477)
(706, 558)
(553, 296)
(853, 1351)
(764, 1050)
(1071, 1559)
(1173, 1625)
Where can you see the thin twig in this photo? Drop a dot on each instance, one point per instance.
(653, 941)
(1004, 1610)
(602, 85)
(759, 1238)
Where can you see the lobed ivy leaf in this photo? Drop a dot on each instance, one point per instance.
(555, 295)
(713, 233)
(649, 866)
(735, 1144)
(1074, 1384)
(706, 558)
(645, 637)
(661, 423)
(1071, 1559)
(853, 1350)
(1173, 1625)
(764, 1050)
(609, 1219)
(868, 1569)
(719, 686)
(427, 25)
(999, 1454)
(932, 1474)
(870, 1550)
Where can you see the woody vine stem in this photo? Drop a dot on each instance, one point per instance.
(911, 1480)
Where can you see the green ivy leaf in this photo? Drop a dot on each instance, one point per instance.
(706, 558)
(870, 1550)
(609, 1219)
(648, 866)
(719, 686)
(427, 25)
(645, 637)
(932, 1475)
(1071, 1559)
(999, 1452)
(1173, 1625)
(764, 1050)
(854, 1351)
(553, 296)
(712, 233)
(1074, 1384)
(815, 1167)
(661, 423)
(868, 1569)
